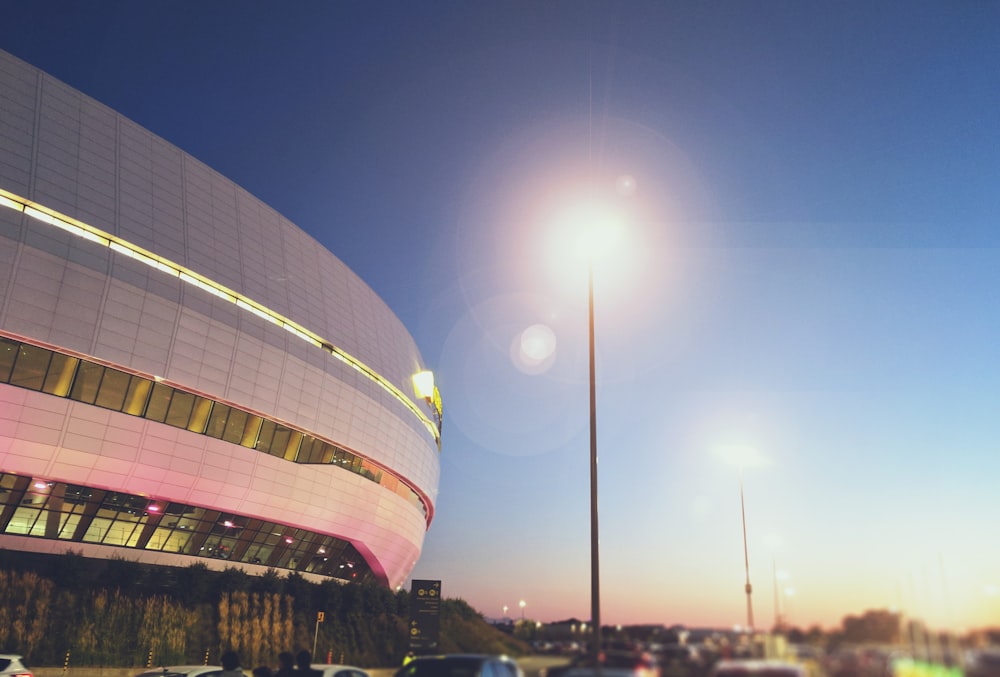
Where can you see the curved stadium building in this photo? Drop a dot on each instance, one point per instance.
(185, 375)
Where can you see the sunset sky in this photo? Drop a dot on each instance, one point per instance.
(807, 285)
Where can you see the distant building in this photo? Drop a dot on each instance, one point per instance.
(185, 375)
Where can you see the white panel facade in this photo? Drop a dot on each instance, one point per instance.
(65, 152)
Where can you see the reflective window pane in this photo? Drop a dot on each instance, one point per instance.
(179, 412)
(251, 431)
(8, 351)
(234, 426)
(138, 392)
(112, 391)
(88, 380)
(217, 421)
(24, 522)
(265, 436)
(62, 369)
(30, 367)
(199, 415)
(159, 401)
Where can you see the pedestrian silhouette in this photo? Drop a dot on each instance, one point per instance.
(286, 665)
(230, 665)
(303, 660)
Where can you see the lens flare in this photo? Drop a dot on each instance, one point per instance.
(625, 185)
(533, 350)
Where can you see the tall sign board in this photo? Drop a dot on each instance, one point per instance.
(425, 616)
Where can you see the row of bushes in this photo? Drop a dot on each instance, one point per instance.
(119, 613)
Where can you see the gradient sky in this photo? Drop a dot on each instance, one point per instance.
(811, 274)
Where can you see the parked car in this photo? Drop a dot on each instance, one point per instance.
(461, 665)
(182, 671)
(751, 667)
(333, 670)
(983, 663)
(12, 665)
(680, 660)
(617, 663)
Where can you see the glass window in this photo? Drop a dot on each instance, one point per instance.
(217, 421)
(199, 416)
(170, 540)
(25, 522)
(159, 401)
(30, 367)
(292, 445)
(371, 471)
(313, 450)
(266, 436)
(8, 351)
(260, 555)
(185, 517)
(124, 530)
(138, 392)
(88, 379)
(77, 495)
(281, 441)
(99, 527)
(114, 386)
(267, 540)
(348, 460)
(251, 431)
(179, 412)
(235, 424)
(69, 525)
(60, 376)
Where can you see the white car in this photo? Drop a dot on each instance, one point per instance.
(333, 670)
(182, 671)
(12, 665)
(757, 668)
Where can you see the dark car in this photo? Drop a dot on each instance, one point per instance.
(461, 665)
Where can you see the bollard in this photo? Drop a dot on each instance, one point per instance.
(149, 661)
(341, 657)
(329, 656)
(66, 663)
(206, 657)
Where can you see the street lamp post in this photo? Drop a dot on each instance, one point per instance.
(595, 567)
(522, 604)
(593, 227)
(746, 559)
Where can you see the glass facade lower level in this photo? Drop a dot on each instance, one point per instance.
(32, 506)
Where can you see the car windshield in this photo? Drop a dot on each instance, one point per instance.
(452, 667)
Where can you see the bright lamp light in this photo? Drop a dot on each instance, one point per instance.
(593, 229)
(423, 384)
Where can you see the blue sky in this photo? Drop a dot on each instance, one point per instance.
(812, 271)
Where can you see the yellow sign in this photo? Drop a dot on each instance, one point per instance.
(319, 616)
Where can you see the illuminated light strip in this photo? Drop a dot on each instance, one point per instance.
(262, 314)
(302, 335)
(7, 202)
(215, 291)
(148, 260)
(136, 253)
(65, 225)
